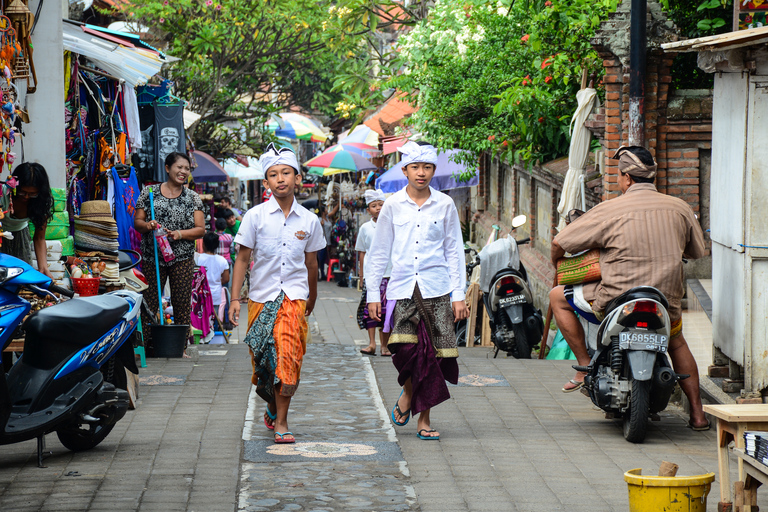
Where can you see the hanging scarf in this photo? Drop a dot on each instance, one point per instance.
(202, 305)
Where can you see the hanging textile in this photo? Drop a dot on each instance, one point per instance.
(126, 193)
(169, 135)
(144, 158)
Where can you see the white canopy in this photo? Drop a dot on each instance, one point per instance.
(235, 170)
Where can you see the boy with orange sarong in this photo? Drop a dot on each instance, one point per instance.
(284, 238)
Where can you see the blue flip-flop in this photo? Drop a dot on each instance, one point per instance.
(400, 413)
(282, 439)
(427, 438)
(270, 416)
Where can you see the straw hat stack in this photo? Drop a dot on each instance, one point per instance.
(96, 231)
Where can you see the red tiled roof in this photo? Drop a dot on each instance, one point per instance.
(391, 112)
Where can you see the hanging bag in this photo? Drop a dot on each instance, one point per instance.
(579, 268)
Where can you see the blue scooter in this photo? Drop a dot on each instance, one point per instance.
(71, 377)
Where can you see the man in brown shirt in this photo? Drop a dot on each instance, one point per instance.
(643, 237)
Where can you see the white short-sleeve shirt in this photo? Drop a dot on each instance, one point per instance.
(363, 244)
(279, 243)
(215, 265)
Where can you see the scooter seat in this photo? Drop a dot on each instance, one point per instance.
(637, 293)
(55, 333)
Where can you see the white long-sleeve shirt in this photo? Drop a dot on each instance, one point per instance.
(427, 248)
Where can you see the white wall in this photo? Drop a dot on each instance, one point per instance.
(44, 135)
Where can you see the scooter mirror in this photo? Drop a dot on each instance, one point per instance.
(519, 221)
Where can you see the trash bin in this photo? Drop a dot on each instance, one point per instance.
(169, 340)
(671, 494)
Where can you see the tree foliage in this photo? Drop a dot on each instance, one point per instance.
(241, 60)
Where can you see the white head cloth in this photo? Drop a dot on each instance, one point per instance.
(278, 156)
(374, 195)
(413, 153)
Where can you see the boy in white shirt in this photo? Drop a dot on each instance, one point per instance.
(426, 290)
(374, 199)
(284, 238)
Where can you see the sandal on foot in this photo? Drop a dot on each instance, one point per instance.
(388, 354)
(576, 386)
(427, 438)
(368, 352)
(271, 417)
(400, 413)
(702, 428)
(284, 438)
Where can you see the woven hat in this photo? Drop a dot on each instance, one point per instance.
(97, 211)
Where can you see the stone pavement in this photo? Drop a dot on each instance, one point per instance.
(510, 440)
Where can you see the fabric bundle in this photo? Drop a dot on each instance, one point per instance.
(111, 272)
(96, 231)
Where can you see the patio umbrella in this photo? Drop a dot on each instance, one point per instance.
(341, 160)
(208, 169)
(444, 178)
(296, 126)
(577, 153)
(326, 171)
(361, 134)
(356, 147)
(236, 170)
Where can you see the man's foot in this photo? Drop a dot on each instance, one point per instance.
(369, 351)
(400, 416)
(269, 418)
(385, 352)
(428, 434)
(575, 383)
(284, 438)
(699, 426)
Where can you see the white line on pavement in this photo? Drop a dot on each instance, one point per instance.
(250, 415)
(370, 376)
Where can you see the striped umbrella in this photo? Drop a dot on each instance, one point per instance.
(295, 126)
(356, 147)
(361, 134)
(341, 160)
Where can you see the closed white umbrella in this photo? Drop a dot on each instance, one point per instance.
(577, 154)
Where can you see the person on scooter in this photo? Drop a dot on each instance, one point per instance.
(643, 236)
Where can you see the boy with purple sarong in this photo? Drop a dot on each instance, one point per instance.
(374, 200)
(426, 290)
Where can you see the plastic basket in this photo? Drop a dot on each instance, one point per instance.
(86, 286)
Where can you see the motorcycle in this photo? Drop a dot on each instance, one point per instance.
(629, 375)
(71, 376)
(516, 324)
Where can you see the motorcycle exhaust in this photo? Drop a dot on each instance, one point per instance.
(664, 378)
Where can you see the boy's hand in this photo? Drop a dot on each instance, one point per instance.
(460, 311)
(374, 311)
(234, 312)
(310, 305)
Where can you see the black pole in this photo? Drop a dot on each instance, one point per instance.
(637, 50)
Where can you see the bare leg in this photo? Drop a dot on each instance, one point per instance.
(371, 348)
(384, 337)
(281, 422)
(571, 328)
(683, 362)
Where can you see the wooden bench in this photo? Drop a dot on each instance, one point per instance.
(755, 475)
(732, 421)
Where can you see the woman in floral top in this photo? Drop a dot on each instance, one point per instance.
(179, 211)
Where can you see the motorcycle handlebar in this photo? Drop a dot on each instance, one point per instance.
(61, 290)
(523, 241)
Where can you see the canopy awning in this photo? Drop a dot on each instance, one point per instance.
(208, 170)
(124, 60)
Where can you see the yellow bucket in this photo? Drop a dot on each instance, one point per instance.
(667, 494)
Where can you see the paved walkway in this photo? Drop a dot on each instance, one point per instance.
(510, 440)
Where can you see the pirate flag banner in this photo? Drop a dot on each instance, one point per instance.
(162, 133)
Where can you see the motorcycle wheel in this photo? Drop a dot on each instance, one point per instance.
(523, 349)
(79, 437)
(636, 418)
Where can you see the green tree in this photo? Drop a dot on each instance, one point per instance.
(241, 60)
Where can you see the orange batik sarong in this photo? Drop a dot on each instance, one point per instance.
(278, 370)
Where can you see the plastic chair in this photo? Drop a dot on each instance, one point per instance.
(142, 356)
(330, 268)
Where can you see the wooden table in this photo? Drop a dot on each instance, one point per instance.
(756, 474)
(732, 421)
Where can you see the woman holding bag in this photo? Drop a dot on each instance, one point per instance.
(179, 211)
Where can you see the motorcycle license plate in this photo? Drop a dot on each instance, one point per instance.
(514, 299)
(643, 341)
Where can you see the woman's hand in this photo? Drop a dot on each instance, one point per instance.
(175, 235)
(153, 225)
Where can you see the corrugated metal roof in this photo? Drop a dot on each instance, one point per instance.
(728, 41)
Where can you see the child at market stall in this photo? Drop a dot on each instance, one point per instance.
(425, 294)
(374, 199)
(216, 269)
(283, 238)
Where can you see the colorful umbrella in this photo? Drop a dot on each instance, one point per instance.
(355, 147)
(330, 171)
(444, 178)
(296, 126)
(342, 160)
(361, 134)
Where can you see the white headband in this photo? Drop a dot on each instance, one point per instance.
(278, 156)
(413, 153)
(374, 195)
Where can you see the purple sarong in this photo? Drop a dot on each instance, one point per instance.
(202, 305)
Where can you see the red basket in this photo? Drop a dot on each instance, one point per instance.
(86, 286)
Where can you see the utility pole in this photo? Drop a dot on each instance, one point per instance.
(637, 51)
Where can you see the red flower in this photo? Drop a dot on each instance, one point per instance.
(548, 79)
(525, 82)
(524, 39)
(491, 137)
(505, 144)
(541, 119)
(546, 63)
(548, 4)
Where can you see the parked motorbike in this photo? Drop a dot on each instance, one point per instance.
(516, 324)
(70, 378)
(629, 375)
